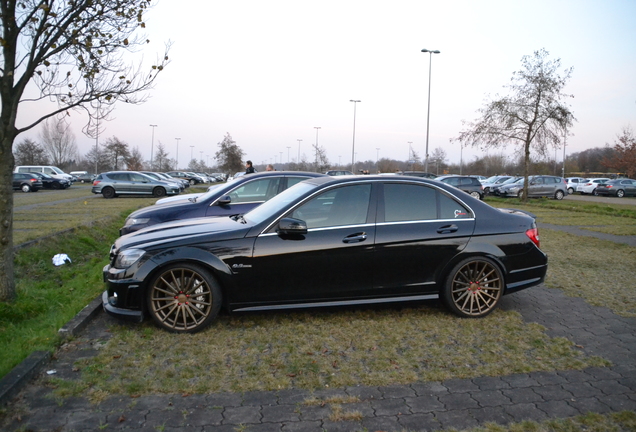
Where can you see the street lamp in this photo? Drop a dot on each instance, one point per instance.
(298, 161)
(288, 147)
(152, 146)
(428, 113)
(191, 150)
(353, 145)
(377, 156)
(317, 128)
(178, 139)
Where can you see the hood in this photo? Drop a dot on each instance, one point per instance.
(169, 207)
(184, 231)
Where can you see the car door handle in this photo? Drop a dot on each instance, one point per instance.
(447, 229)
(355, 238)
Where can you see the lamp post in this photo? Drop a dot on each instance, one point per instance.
(298, 161)
(191, 150)
(353, 145)
(317, 129)
(152, 146)
(288, 147)
(178, 139)
(410, 155)
(428, 111)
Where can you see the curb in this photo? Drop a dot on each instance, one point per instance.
(14, 381)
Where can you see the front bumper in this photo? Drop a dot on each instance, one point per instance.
(125, 314)
(123, 296)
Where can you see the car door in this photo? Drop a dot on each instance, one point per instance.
(629, 186)
(246, 196)
(140, 184)
(333, 262)
(419, 229)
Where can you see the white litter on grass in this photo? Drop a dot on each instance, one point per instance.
(61, 259)
(51, 372)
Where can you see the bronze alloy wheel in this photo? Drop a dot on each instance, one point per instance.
(184, 298)
(474, 287)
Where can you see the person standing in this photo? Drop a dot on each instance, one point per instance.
(249, 169)
(270, 167)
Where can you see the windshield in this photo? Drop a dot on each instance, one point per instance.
(269, 208)
(57, 170)
(513, 180)
(213, 190)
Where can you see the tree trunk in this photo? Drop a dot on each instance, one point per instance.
(7, 284)
(526, 170)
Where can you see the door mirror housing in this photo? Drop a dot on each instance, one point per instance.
(291, 226)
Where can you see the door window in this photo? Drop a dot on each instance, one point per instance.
(347, 205)
(256, 191)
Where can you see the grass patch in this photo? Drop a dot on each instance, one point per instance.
(624, 421)
(314, 350)
(599, 271)
(616, 210)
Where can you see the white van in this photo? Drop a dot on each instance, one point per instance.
(53, 171)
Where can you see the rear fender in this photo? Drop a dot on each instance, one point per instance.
(472, 250)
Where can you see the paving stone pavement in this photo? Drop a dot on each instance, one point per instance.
(426, 406)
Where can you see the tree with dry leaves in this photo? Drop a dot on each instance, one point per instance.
(72, 52)
(534, 115)
(623, 159)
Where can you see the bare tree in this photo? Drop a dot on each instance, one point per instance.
(229, 156)
(533, 115)
(135, 160)
(28, 152)
(322, 162)
(438, 157)
(59, 141)
(73, 52)
(117, 152)
(162, 160)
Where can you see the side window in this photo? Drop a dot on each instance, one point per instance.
(347, 205)
(452, 181)
(137, 178)
(451, 209)
(407, 202)
(49, 171)
(119, 176)
(294, 180)
(255, 191)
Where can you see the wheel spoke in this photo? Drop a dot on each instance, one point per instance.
(476, 288)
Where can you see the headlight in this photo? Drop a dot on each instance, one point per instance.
(136, 221)
(128, 257)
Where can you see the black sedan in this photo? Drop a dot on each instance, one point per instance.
(26, 182)
(328, 241)
(618, 188)
(51, 182)
(237, 196)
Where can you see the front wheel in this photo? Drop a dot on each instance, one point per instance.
(25, 188)
(520, 195)
(193, 182)
(620, 193)
(559, 195)
(158, 192)
(184, 298)
(594, 192)
(475, 194)
(473, 288)
(571, 191)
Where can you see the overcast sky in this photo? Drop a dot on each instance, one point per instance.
(269, 72)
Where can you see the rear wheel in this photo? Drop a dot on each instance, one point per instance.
(55, 185)
(158, 192)
(193, 182)
(620, 193)
(25, 188)
(108, 192)
(520, 195)
(473, 288)
(475, 194)
(184, 298)
(571, 191)
(594, 192)
(559, 195)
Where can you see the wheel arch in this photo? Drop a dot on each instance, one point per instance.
(478, 250)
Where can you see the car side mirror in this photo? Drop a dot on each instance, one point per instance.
(291, 226)
(225, 200)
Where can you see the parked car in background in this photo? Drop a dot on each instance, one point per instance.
(618, 188)
(26, 182)
(328, 241)
(164, 176)
(470, 185)
(178, 182)
(85, 178)
(589, 185)
(115, 183)
(338, 172)
(491, 182)
(49, 182)
(53, 171)
(573, 183)
(234, 197)
(419, 174)
(538, 186)
(192, 178)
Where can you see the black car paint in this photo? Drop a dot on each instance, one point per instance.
(213, 205)
(254, 264)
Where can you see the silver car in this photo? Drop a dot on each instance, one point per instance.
(115, 183)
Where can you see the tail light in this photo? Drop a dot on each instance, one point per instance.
(96, 182)
(533, 234)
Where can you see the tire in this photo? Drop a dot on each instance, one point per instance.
(193, 182)
(571, 191)
(55, 186)
(558, 195)
(475, 194)
(158, 192)
(25, 188)
(620, 193)
(594, 192)
(520, 195)
(183, 298)
(108, 192)
(473, 288)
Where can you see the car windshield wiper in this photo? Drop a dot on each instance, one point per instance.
(238, 218)
(193, 199)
